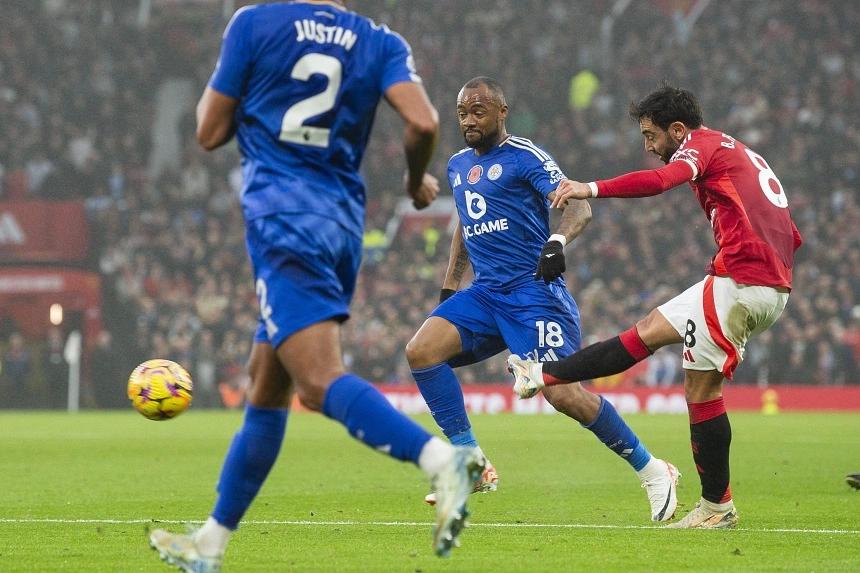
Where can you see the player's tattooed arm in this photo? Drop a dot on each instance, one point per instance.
(458, 262)
(574, 219)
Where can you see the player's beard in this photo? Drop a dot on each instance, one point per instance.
(667, 155)
(483, 140)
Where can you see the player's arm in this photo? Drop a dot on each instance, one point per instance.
(574, 219)
(458, 262)
(215, 119)
(216, 109)
(419, 138)
(636, 184)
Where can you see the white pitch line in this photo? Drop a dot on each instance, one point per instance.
(415, 524)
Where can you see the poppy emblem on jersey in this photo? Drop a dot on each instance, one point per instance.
(475, 174)
(494, 172)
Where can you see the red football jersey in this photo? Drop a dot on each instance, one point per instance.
(747, 208)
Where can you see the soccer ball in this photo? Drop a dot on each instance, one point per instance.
(160, 389)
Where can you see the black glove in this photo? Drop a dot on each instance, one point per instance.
(551, 262)
(445, 294)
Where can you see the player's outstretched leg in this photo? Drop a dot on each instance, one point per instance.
(250, 458)
(453, 470)
(853, 480)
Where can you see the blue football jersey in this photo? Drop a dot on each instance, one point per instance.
(309, 77)
(504, 212)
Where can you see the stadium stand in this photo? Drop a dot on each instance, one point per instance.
(79, 85)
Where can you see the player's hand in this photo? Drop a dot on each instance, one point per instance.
(568, 189)
(423, 194)
(551, 262)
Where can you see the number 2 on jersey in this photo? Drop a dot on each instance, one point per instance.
(292, 128)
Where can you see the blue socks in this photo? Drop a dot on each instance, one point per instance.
(369, 417)
(617, 435)
(249, 459)
(444, 396)
(350, 400)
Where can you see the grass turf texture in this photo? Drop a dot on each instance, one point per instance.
(788, 473)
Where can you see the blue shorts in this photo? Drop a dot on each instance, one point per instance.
(535, 321)
(305, 267)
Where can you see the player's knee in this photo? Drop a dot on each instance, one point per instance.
(574, 401)
(569, 399)
(419, 353)
(311, 387)
(312, 396)
(702, 386)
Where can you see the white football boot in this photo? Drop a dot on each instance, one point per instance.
(489, 481)
(660, 480)
(709, 515)
(528, 376)
(181, 551)
(452, 486)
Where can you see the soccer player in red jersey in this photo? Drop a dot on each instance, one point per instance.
(746, 288)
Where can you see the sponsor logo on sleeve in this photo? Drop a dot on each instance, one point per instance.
(555, 173)
(688, 154)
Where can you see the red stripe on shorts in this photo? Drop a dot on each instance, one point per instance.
(716, 331)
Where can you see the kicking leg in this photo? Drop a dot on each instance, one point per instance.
(600, 359)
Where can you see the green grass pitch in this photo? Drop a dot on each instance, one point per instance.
(78, 492)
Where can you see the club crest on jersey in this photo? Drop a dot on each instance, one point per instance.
(475, 174)
(494, 172)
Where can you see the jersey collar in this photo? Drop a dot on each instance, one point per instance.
(323, 3)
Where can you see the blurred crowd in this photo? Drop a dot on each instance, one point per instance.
(77, 98)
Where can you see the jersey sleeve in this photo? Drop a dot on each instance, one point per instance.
(646, 183)
(695, 153)
(234, 63)
(398, 64)
(538, 167)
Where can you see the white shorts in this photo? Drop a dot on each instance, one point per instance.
(717, 316)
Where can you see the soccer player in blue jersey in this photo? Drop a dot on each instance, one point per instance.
(298, 84)
(503, 186)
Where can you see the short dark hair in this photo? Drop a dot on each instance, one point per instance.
(492, 85)
(667, 105)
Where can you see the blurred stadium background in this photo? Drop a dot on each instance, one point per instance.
(120, 240)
